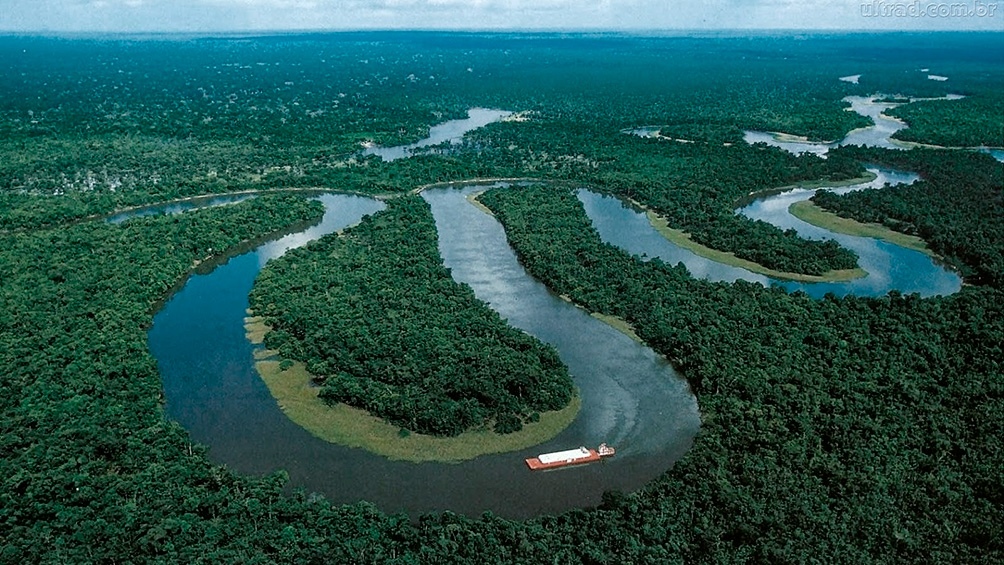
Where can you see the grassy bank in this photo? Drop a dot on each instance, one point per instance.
(683, 239)
(343, 425)
(618, 324)
(809, 212)
(473, 199)
(868, 176)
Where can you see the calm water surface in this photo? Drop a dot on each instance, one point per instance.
(889, 266)
(452, 131)
(877, 135)
(179, 207)
(631, 396)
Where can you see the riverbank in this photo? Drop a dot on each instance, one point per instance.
(868, 176)
(809, 212)
(297, 396)
(683, 239)
(473, 199)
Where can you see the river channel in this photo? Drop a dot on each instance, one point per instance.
(888, 266)
(631, 397)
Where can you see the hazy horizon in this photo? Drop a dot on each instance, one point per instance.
(640, 16)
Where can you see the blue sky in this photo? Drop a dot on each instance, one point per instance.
(252, 15)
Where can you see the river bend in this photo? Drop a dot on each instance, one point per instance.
(631, 397)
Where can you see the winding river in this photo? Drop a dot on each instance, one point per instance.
(451, 132)
(631, 397)
(888, 266)
(879, 134)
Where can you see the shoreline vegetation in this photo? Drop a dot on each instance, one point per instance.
(383, 325)
(906, 144)
(616, 322)
(867, 176)
(811, 213)
(473, 199)
(683, 239)
(297, 396)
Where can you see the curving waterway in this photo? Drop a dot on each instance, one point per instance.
(888, 266)
(178, 207)
(451, 132)
(879, 134)
(631, 397)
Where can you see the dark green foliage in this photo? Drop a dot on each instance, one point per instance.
(691, 184)
(376, 316)
(837, 431)
(849, 428)
(957, 208)
(119, 123)
(693, 194)
(90, 470)
(974, 121)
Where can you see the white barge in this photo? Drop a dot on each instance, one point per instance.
(568, 457)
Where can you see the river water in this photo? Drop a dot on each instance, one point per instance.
(879, 134)
(631, 397)
(888, 266)
(451, 131)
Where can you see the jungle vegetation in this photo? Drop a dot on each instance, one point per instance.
(859, 405)
(957, 207)
(841, 430)
(382, 326)
(926, 118)
(175, 119)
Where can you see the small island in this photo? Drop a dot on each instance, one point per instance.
(371, 323)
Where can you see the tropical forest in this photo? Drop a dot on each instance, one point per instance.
(322, 297)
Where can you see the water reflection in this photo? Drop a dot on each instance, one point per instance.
(178, 207)
(889, 266)
(631, 396)
(452, 131)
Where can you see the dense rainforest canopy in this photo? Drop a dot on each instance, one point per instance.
(382, 326)
(840, 430)
(957, 207)
(796, 395)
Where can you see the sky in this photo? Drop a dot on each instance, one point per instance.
(29, 16)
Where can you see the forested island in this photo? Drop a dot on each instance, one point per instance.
(845, 430)
(956, 207)
(380, 324)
